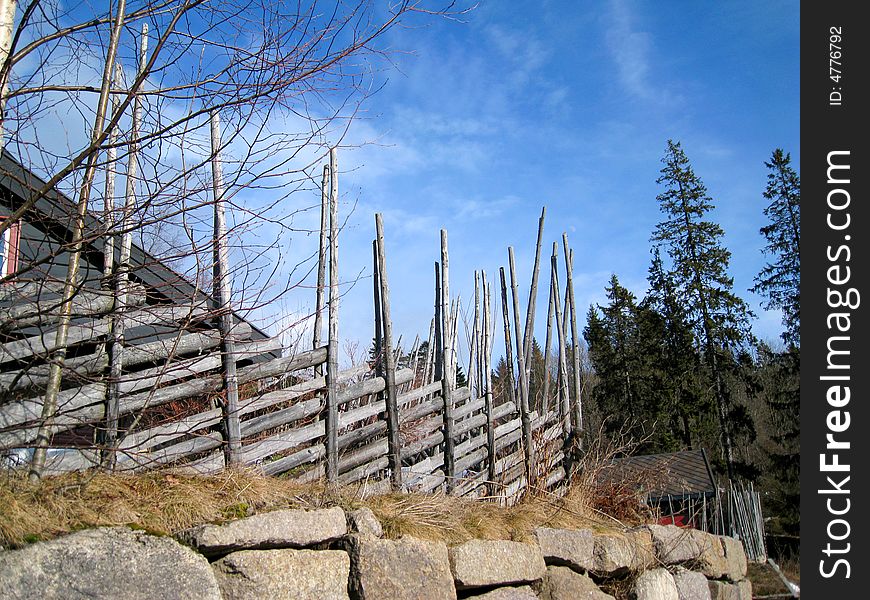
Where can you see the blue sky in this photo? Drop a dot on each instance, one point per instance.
(568, 105)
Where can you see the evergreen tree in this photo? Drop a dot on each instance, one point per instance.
(699, 270)
(620, 363)
(779, 281)
(680, 378)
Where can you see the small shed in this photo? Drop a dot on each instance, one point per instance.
(678, 485)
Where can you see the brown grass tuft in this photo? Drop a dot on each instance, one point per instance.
(164, 502)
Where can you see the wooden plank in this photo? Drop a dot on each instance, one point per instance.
(545, 396)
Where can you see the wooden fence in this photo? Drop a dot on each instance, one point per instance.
(187, 385)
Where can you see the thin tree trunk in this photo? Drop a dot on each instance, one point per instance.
(49, 406)
(223, 304)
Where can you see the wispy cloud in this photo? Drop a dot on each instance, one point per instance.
(632, 50)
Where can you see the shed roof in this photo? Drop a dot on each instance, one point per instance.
(685, 473)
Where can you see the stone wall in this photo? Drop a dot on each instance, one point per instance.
(332, 554)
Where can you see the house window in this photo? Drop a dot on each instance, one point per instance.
(9, 249)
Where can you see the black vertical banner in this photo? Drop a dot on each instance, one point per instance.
(835, 421)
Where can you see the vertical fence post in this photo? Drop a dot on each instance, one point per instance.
(575, 342)
(487, 374)
(565, 409)
(376, 295)
(332, 344)
(529, 334)
(321, 266)
(447, 365)
(110, 435)
(545, 400)
(523, 386)
(223, 303)
(508, 345)
(393, 442)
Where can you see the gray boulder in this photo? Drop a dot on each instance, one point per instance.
(561, 583)
(616, 553)
(364, 521)
(674, 545)
(111, 562)
(691, 585)
(278, 529)
(283, 575)
(482, 563)
(655, 584)
(571, 548)
(722, 590)
(735, 558)
(404, 569)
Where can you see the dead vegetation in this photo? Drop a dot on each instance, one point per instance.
(163, 502)
(166, 501)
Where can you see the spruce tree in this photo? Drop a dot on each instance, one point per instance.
(699, 270)
(779, 280)
(680, 380)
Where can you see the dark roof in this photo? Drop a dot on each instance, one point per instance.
(676, 474)
(56, 211)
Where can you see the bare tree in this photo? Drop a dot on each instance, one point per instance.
(286, 79)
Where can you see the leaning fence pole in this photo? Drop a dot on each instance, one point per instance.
(223, 303)
(376, 292)
(71, 285)
(533, 293)
(393, 442)
(487, 375)
(427, 363)
(575, 340)
(525, 420)
(508, 350)
(560, 329)
(448, 366)
(321, 266)
(545, 400)
(332, 345)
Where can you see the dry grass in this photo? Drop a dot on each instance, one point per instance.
(165, 502)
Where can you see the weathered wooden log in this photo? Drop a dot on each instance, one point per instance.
(84, 405)
(43, 311)
(447, 362)
(165, 433)
(523, 384)
(529, 333)
(45, 343)
(297, 459)
(577, 408)
(392, 408)
(560, 330)
(332, 354)
(321, 265)
(508, 349)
